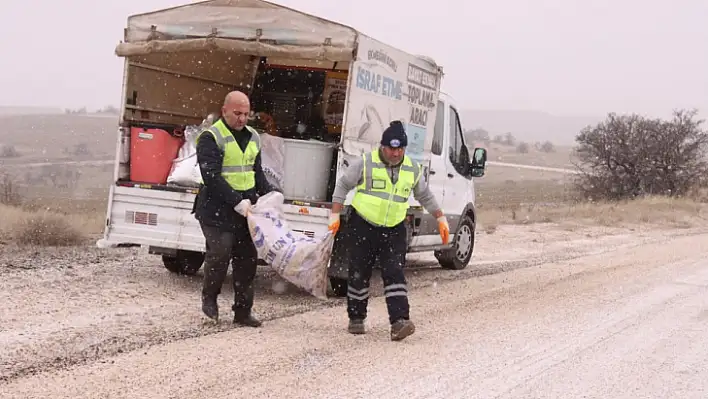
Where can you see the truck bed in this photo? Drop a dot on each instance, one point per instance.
(161, 216)
(192, 190)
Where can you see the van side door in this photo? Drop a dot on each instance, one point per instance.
(438, 167)
(457, 184)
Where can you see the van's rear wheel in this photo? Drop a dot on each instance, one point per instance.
(458, 256)
(185, 263)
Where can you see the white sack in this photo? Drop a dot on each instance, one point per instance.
(297, 258)
(185, 169)
(272, 157)
(185, 172)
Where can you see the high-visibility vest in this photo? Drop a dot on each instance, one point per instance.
(377, 199)
(238, 166)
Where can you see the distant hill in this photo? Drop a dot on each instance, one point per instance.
(529, 126)
(6, 110)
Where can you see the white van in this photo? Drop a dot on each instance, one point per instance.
(302, 71)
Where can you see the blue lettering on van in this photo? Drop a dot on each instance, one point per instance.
(392, 88)
(367, 80)
(378, 83)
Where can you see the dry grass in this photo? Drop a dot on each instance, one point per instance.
(498, 173)
(521, 192)
(93, 206)
(48, 227)
(36, 212)
(656, 211)
(510, 196)
(40, 138)
(561, 158)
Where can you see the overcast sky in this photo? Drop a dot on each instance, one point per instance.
(567, 57)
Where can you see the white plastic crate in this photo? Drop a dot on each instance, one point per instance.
(307, 168)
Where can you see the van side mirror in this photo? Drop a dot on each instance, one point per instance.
(479, 162)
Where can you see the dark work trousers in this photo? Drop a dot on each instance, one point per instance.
(223, 247)
(389, 244)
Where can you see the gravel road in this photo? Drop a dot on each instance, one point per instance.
(543, 312)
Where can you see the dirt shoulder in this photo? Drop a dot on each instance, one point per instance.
(528, 306)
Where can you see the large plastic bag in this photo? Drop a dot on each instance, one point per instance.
(272, 156)
(185, 169)
(297, 258)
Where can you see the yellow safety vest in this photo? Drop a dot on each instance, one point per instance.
(377, 199)
(238, 166)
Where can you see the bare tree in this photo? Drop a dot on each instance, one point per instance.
(9, 193)
(547, 147)
(629, 156)
(81, 149)
(8, 151)
(509, 139)
(523, 148)
(477, 135)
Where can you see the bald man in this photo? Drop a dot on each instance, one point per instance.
(230, 162)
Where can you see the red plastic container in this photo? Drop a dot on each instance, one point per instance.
(151, 154)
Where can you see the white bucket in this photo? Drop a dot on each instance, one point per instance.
(306, 166)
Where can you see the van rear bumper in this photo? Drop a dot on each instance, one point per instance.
(150, 215)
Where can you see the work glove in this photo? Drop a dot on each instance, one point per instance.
(333, 223)
(444, 229)
(243, 207)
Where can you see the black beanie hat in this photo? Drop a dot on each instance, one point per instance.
(394, 136)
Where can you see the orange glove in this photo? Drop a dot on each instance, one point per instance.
(333, 223)
(444, 229)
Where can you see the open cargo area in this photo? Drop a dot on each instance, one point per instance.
(297, 107)
(176, 80)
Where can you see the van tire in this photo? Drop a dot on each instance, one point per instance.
(456, 258)
(185, 263)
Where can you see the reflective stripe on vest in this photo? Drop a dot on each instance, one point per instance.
(377, 199)
(237, 166)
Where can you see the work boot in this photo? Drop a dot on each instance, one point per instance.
(247, 320)
(356, 327)
(401, 329)
(210, 308)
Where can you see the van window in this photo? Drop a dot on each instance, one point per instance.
(459, 155)
(439, 129)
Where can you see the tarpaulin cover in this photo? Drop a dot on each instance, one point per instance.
(253, 24)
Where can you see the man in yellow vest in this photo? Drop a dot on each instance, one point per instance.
(384, 180)
(229, 159)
